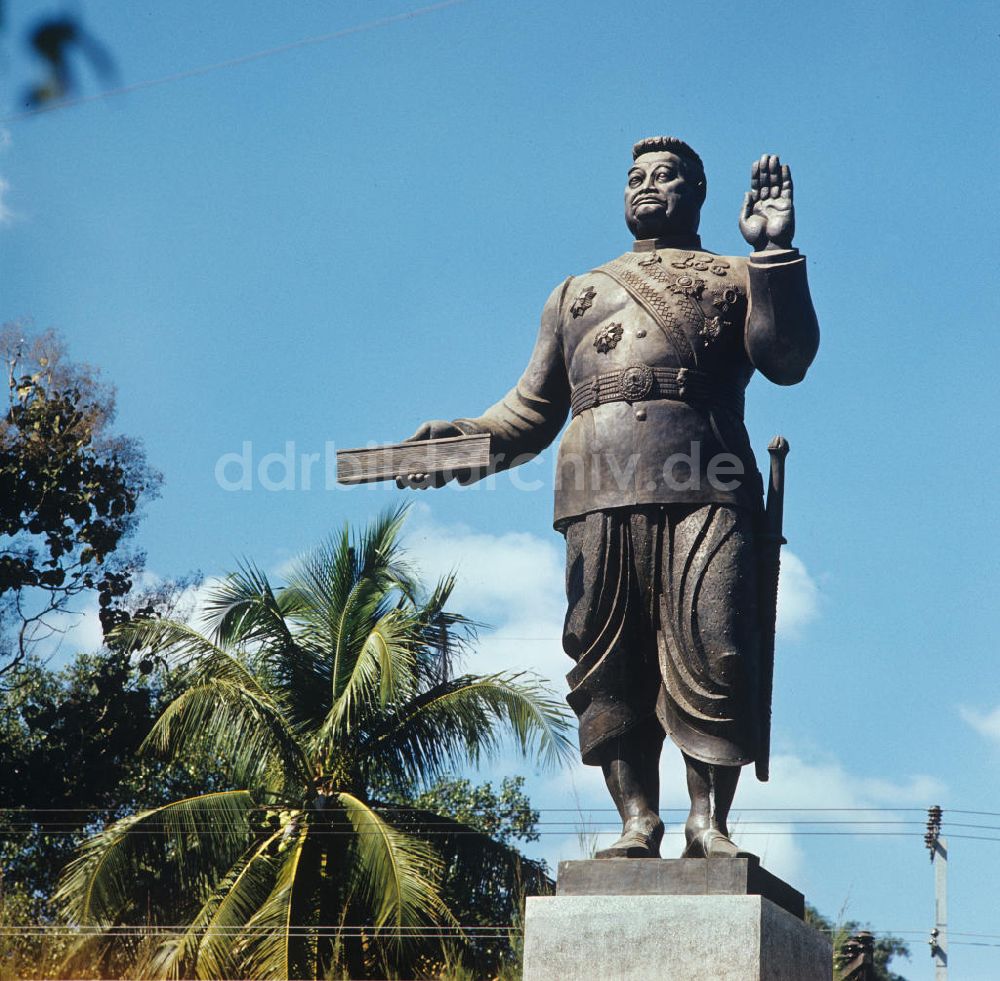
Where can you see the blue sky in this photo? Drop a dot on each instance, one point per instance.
(330, 244)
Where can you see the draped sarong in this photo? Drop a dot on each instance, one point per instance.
(662, 620)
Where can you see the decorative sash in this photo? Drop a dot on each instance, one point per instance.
(647, 285)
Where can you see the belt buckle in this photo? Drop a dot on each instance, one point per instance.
(636, 382)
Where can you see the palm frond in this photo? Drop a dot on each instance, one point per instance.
(89, 950)
(333, 599)
(445, 636)
(241, 724)
(460, 721)
(200, 836)
(186, 648)
(244, 607)
(242, 893)
(244, 610)
(343, 593)
(483, 872)
(382, 672)
(381, 551)
(205, 947)
(269, 947)
(397, 874)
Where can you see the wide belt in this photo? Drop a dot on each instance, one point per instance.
(641, 383)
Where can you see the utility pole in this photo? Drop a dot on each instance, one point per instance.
(938, 847)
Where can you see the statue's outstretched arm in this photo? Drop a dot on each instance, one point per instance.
(529, 416)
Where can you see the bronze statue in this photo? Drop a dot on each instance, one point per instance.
(657, 490)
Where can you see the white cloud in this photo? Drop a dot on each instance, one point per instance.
(496, 573)
(987, 724)
(798, 786)
(767, 819)
(66, 633)
(513, 582)
(798, 597)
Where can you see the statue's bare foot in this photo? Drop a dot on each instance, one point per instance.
(640, 838)
(710, 843)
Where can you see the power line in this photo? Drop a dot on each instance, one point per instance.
(439, 931)
(459, 832)
(232, 62)
(444, 821)
(28, 819)
(545, 810)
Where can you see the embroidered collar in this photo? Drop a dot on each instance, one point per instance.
(687, 241)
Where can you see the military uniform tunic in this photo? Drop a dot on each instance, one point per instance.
(657, 489)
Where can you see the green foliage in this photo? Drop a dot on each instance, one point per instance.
(330, 701)
(483, 886)
(69, 741)
(26, 949)
(887, 946)
(67, 745)
(69, 762)
(503, 815)
(70, 490)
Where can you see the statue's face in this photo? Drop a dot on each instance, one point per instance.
(659, 199)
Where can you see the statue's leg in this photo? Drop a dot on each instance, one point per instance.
(630, 764)
(712, 789)
(615, 681)
(708, 658)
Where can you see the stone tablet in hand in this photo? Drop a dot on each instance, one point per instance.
(447, 457)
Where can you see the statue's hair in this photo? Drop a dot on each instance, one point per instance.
(671, 144)
(666, 144)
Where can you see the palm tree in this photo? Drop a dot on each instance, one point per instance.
(320, 700)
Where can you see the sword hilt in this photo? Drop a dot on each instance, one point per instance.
(777, 450)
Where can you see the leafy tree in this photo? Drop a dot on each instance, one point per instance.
(27, 949)
(70, 492)
(887, 946)
(69, 741)
(68, 764)
(325, 699)
(67, 751)
(505, 815)
(482, 886)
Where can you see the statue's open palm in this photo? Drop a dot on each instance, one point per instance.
(768, 216)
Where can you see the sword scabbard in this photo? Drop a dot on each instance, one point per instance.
(768, 569)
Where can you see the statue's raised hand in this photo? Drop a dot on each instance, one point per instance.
(768, 216)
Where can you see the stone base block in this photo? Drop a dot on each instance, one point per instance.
(741, 876)
(670, 938)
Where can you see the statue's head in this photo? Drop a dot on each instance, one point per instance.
(665, 188)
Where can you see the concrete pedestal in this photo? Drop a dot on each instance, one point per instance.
(577, 935)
